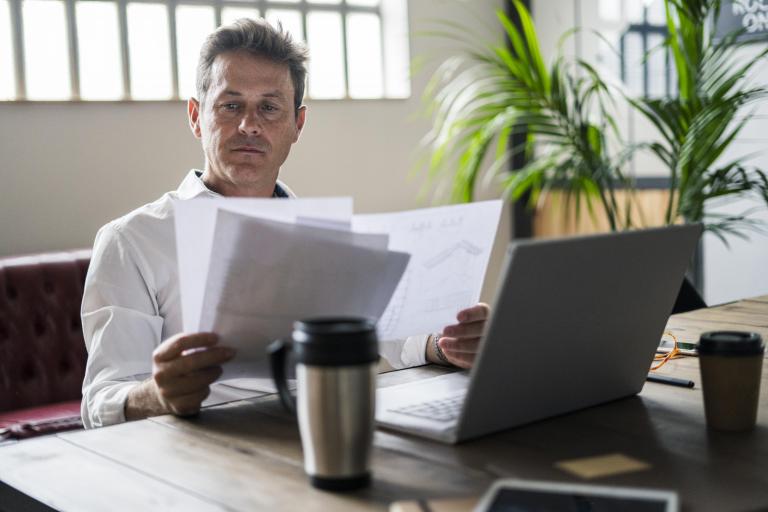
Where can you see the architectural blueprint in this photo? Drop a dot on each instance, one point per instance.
(449, 247)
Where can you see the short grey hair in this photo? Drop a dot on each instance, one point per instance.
(260, 38)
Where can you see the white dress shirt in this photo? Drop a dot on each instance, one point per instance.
(131, 303)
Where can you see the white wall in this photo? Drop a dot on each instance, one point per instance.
(66, 169)
(740, 269)
(730, 272)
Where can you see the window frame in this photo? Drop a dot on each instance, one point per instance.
(645, 29)
(303, 7)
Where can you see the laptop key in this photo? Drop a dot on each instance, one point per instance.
(443, 409)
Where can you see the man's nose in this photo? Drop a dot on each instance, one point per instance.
(250, 123)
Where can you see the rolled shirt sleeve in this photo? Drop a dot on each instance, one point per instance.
(405, 353)
(121, 327)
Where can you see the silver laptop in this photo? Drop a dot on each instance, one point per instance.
(575, 323)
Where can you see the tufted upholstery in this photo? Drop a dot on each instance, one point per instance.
(42, 353)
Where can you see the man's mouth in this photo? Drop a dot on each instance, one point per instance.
(249, 149)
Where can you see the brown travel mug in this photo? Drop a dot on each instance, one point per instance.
(731, 364)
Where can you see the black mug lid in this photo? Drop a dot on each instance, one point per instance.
(335, 341)
(731, 343)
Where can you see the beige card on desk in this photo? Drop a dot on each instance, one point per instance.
(602, 465)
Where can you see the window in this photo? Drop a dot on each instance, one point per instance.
(7, 81)
(148, 49)
(637, 31)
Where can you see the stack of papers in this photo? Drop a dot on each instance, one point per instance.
(249, 268)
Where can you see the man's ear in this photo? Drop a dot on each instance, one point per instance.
(193, 112)
(301, 117)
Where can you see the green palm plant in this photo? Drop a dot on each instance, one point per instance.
(701, 122)
(489, 93)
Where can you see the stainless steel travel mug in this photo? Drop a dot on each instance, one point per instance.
(336, 368)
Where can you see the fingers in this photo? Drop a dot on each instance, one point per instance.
(184, 367)
(465, 361)
(471, 322)
(454, 345)
(477, 313)
(182, 391)
(460, 352)
(174, 346)
(190, 362)
(188, 405)
(460, 341)
(190, 383)
(465, 330)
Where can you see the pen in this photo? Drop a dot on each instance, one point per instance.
(672, 381)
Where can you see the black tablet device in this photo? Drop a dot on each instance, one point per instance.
(510, 495)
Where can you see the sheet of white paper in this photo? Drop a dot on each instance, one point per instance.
(450, 247)
(195, 220)
(370, 240)
(264, 385)
(325, 223)
(264, 275)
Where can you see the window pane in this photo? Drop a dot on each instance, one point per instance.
(230, 14)
(394, 15)
(291, 21)
(101, 73)
(46, 50)
(633, 11)
(365, 58)
(609, 10)
(657, 77)
(656, 12)
(7, 74)
(607, 54)
(149, 48)
(633, 62)
(193, 24)
(326, 67)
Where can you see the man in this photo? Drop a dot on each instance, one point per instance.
(248, 113)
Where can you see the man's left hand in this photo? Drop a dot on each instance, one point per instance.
(460, 342)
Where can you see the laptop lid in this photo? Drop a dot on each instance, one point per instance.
(575, 323)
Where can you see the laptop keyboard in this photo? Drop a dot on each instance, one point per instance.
(443, 409)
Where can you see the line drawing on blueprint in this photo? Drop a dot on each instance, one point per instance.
(445, 254)
(441, 291)
(391, 316)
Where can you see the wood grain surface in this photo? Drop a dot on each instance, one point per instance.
(246, 455)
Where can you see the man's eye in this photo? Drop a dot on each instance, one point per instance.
(269, 108)
(230, 107)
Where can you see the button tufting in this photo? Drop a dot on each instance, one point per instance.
(64, 366)
(75, 323)
(10, 292)
(28, 372)
(39, 327)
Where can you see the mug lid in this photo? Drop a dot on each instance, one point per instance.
(324, 325)
(738, 343)
(335, 341)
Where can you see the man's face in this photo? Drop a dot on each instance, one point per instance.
(247, 123)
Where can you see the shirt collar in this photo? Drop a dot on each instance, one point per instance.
(193, 186)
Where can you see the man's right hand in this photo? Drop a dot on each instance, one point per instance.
(183, 368)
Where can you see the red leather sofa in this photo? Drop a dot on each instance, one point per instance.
(42, 353)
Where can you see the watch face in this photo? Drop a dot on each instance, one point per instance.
(523, 500)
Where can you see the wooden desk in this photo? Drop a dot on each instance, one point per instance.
(246, 455)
